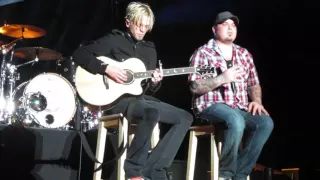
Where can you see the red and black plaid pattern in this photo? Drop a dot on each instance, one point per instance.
(210, 55)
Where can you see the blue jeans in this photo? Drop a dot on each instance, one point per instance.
(239, 125)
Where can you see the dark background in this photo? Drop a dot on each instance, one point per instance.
(281, 35)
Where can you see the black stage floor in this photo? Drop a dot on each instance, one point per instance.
(49, 154)
(44, 154)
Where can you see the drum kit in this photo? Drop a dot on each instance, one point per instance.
(49, 99)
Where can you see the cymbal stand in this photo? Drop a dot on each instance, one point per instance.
(13, 76)
(29, 62)
(10, 106)
(2, 79)
(5, 50)
(4, 67)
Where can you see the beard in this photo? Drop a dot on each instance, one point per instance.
(228, 40)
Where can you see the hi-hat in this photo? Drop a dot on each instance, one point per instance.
(30, 53)
(24, 31)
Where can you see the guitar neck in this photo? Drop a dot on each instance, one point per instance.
(167, 72)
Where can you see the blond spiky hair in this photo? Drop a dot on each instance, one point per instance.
(136, 10)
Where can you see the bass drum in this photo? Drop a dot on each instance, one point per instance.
(49, 100)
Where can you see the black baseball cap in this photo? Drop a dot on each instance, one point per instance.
(225, 15)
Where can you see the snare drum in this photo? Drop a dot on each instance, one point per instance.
(49, 100)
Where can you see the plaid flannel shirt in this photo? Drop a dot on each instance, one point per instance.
(210, 55)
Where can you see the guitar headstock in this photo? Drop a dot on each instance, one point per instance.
(206, 71)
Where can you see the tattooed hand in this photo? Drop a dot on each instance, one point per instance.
(233, 74)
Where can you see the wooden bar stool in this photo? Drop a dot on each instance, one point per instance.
(196, 131)
(120, 122)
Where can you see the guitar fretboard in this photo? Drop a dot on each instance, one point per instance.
(167, 72)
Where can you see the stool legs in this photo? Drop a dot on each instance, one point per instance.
(122, 137)
(214, 158)
(155, 136)
(214, 155)
(122, 123)
(115, 120)
(192, 153)
(124, 132)
(101, 142)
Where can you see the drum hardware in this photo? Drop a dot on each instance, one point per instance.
(20, 32)
(89, 119)
(12, 77)
(21, 114)
(49, 100)
(33, 105)
(6, 107)
(7, 47)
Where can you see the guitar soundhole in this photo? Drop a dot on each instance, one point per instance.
(129, 77)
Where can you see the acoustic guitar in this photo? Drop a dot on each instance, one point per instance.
(100, 90)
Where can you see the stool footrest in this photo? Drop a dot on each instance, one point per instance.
(111, 117)
(209, 128)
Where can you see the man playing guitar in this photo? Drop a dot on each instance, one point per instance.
(146, 110)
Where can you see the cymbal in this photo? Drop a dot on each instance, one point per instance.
(25, 31)
(30, 53)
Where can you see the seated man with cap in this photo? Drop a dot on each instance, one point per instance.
(231, 96)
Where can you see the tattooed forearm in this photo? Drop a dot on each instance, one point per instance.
(203, 86)
(255, 93)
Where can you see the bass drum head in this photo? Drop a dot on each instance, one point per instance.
(50, 100)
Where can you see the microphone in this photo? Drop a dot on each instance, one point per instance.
(229, 65)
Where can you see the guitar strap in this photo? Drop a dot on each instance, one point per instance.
(92, 156)
(86, 145)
